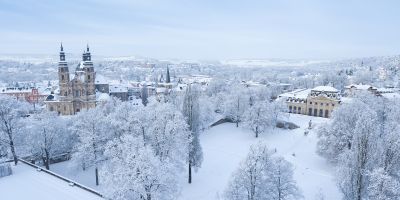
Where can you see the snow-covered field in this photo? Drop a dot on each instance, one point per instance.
(27, 183)
(224, 146)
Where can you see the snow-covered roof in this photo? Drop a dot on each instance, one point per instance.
(7, 90)
(325, 89)
(360, 87)
(299, 94)
(118, 88)
(28, 183)
(100, 79)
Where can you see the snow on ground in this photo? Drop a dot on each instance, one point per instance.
(27, 183)
(225, 146)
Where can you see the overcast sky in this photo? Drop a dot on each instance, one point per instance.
(203, 29)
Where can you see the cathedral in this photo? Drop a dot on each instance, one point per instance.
(76, 93)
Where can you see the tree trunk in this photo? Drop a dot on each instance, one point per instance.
(190, 173)
(13, 151)
(256, 131)
(46, 160)
(97, 176)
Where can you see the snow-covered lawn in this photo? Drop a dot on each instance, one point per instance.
(27, 183)
(224, 146)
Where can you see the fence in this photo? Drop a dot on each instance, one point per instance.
(5, 169)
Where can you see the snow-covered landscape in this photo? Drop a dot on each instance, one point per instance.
(199, 100)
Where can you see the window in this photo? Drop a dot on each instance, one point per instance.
(290, 109)
(310, 103)
(316, 103)
(88, 77)
(77, 93)
(62, 77)
(327, 104)
(333, 104)
(294, 109)
(322, 104)
(299, 110)
(51, 108)
(315, 112)
(65, 93)
(310, 111)
(326, 113)
(321, 112)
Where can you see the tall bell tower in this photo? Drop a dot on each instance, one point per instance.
(63, 74)
(90, 75)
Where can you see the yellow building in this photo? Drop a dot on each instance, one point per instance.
(320, 101)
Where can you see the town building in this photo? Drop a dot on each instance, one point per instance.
(76, 93)
(319, 101)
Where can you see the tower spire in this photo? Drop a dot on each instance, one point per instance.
(61, 47)
(87, 47)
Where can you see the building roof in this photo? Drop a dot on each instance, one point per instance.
(28, 183)
(325, 89)
(299, 94)
(360, 87)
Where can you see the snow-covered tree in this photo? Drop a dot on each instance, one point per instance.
(11, 113)
(47, 136)
(235, 104)
(360, 158)
(262, 176)
(382, 186)
(92, 132)
(191, 112)
(260, 116)
(134, 172)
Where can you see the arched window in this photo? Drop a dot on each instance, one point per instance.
(294, 109)
(299, 110)
(290, 109)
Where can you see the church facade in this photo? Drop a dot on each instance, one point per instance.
(76, 93)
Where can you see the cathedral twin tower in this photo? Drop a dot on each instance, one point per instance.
(78, 93)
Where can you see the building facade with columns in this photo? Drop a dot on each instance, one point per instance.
(319, 101)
